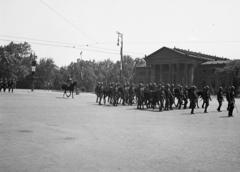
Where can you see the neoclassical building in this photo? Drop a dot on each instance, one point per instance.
(174, 65)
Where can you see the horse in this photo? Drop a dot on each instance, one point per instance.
(68, 89)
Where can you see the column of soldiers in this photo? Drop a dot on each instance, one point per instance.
(163, 96)
(7, 84)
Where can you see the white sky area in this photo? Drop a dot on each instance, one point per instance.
(207, 26)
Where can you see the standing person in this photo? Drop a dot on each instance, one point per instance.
(1, 84)
(161, 97)
(228, 96)
(185, 97)
(231, 101)
(193, 98)
(220, 98)
(167, 97)
(206, 98)
(10, 85)
(4, 84)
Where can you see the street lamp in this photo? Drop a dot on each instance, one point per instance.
(120, 42)
(34, 63)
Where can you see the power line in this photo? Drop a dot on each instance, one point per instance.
(66, 19)
(35, 39)
(64, 46)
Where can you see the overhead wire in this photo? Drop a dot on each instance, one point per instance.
(66, 20)
(77, 28)
(64, 46)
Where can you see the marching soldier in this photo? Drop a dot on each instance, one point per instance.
(179, 96)
(220, 98)
(193, 98)
(10, 85)
(228, 96)
(231, 101)
(161, 97)
(1, 84)
(167, 97)
(4, 84)
(206, 98)
(185, 97)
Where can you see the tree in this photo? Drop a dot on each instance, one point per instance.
(15, 60)
(46, 73)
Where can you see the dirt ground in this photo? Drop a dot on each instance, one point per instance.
(41, 131)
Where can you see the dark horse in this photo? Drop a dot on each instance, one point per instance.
(68, 89)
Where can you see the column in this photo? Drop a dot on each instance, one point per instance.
(169, 73)
(160, 70)
(185, 74)
(172, 73)
(191, 74)
(153, 68)
(178, 73)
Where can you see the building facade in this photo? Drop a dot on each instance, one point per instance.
(175, 66)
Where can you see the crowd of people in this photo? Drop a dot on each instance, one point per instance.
(7, 84)
(162, 96)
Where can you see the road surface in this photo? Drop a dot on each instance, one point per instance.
(42, 132)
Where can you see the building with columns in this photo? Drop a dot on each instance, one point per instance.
(173, 65)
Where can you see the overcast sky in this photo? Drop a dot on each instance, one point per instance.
(67, 27)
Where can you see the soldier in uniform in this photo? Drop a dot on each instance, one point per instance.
(167, 97)
(180, 98)
(227, 96)
(10, 85)
(1, 84)
(185, 97)
(206, 98)
(161, 97)
(231, 101)
(220, 98)
(4, 84)
(193, 98)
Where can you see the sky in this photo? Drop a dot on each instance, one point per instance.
(62, 29)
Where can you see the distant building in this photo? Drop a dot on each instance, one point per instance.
(178, 66)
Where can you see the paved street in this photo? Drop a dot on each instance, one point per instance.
(41, 131)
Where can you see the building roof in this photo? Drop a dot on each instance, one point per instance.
(191, 54)
(199, 54)
(216, 62)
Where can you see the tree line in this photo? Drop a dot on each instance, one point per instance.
(16, 60)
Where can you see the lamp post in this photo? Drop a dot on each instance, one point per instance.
(34, 63)
(120, 42)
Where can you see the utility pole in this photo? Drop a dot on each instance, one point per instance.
(120, 42)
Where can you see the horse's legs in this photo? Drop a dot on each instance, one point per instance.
(64, 92)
